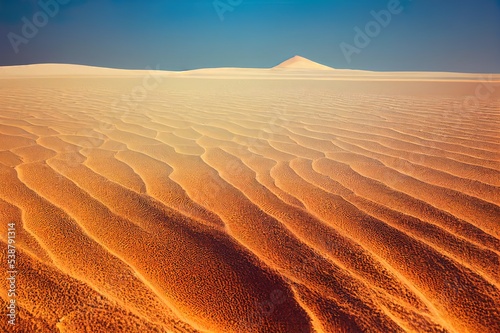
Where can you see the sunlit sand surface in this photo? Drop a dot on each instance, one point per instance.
(295, 199)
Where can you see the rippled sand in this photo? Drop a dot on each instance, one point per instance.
(207, 203)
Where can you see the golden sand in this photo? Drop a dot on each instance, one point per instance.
(297, 199)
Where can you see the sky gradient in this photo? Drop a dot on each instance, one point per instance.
(426, 35)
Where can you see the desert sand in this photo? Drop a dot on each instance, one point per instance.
(295, 199)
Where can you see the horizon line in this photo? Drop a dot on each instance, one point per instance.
(256, 68)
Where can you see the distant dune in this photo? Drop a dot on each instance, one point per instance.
(294, 68)
(61, 70)
(282, 200)
(298, 62)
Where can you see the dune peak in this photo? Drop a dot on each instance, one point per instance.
(299, 62)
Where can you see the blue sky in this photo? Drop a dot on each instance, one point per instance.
(425, 35)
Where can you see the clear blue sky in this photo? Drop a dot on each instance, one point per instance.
(427, 35)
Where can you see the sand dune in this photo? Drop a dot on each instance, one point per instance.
(298, 62)
(227, 200)
(50, 70)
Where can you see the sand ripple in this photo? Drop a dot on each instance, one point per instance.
(251, 206)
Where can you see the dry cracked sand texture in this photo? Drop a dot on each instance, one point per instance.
(251, 205)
